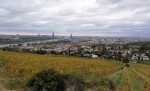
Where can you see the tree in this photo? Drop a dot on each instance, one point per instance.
(125, 60)
(41, 52)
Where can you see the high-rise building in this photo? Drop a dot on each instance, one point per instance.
(53, 35)
(39, 35)
(71, 36)
(17, 36)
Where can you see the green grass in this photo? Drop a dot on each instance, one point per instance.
(122, 83)
(135, 82)
(118, 80)
(13, 85)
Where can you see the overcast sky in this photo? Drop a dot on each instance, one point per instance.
(79, 17)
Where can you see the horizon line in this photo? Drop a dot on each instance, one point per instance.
(73, 35)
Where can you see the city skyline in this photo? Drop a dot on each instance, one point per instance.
(81, 18)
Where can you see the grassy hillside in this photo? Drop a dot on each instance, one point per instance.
(20, 67)
(16, 69)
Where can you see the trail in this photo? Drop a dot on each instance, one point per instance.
(2, 82)
(2, 87)
(136, 84)
(126, 80)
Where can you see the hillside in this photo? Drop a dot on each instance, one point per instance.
(18, 68)
(22, 66)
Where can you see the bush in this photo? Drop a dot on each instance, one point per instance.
(75, 83)
(48, 81)
(2, 63)
(104, 82)
(41, 52)
(51, 80)
(127, 65)
(125, 60)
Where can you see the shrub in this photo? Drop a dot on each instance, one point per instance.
(75, 83)
(2, 63)
(125, 60)
(127, 65)
(48, 80)
(51, 80)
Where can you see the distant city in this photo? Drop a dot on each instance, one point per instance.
(114, 48)
(11, 39)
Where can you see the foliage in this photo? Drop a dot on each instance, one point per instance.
(41, 52)
(48, 80)
(104, 82)
(125, 60)
(75, 83)
(127, 65)
(12, 85)
(2, 63)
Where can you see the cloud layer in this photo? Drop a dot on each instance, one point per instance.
(79, 17)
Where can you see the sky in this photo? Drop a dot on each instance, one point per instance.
(78, 17)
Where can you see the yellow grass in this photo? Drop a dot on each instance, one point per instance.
(22, 66)
(143, 71)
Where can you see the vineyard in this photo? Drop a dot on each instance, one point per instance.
(22, 66)
(134, 78)
(143, 72)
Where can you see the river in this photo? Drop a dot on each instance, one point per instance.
(7, 45)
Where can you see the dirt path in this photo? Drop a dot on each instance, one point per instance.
(114, 74)
(2, 81)
(2, 88)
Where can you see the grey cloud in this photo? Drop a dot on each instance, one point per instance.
(86, 17)
(107, 1)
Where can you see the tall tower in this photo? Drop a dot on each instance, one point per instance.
(53, 35)
(17, 36)
(71, 36)
(39, 35)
